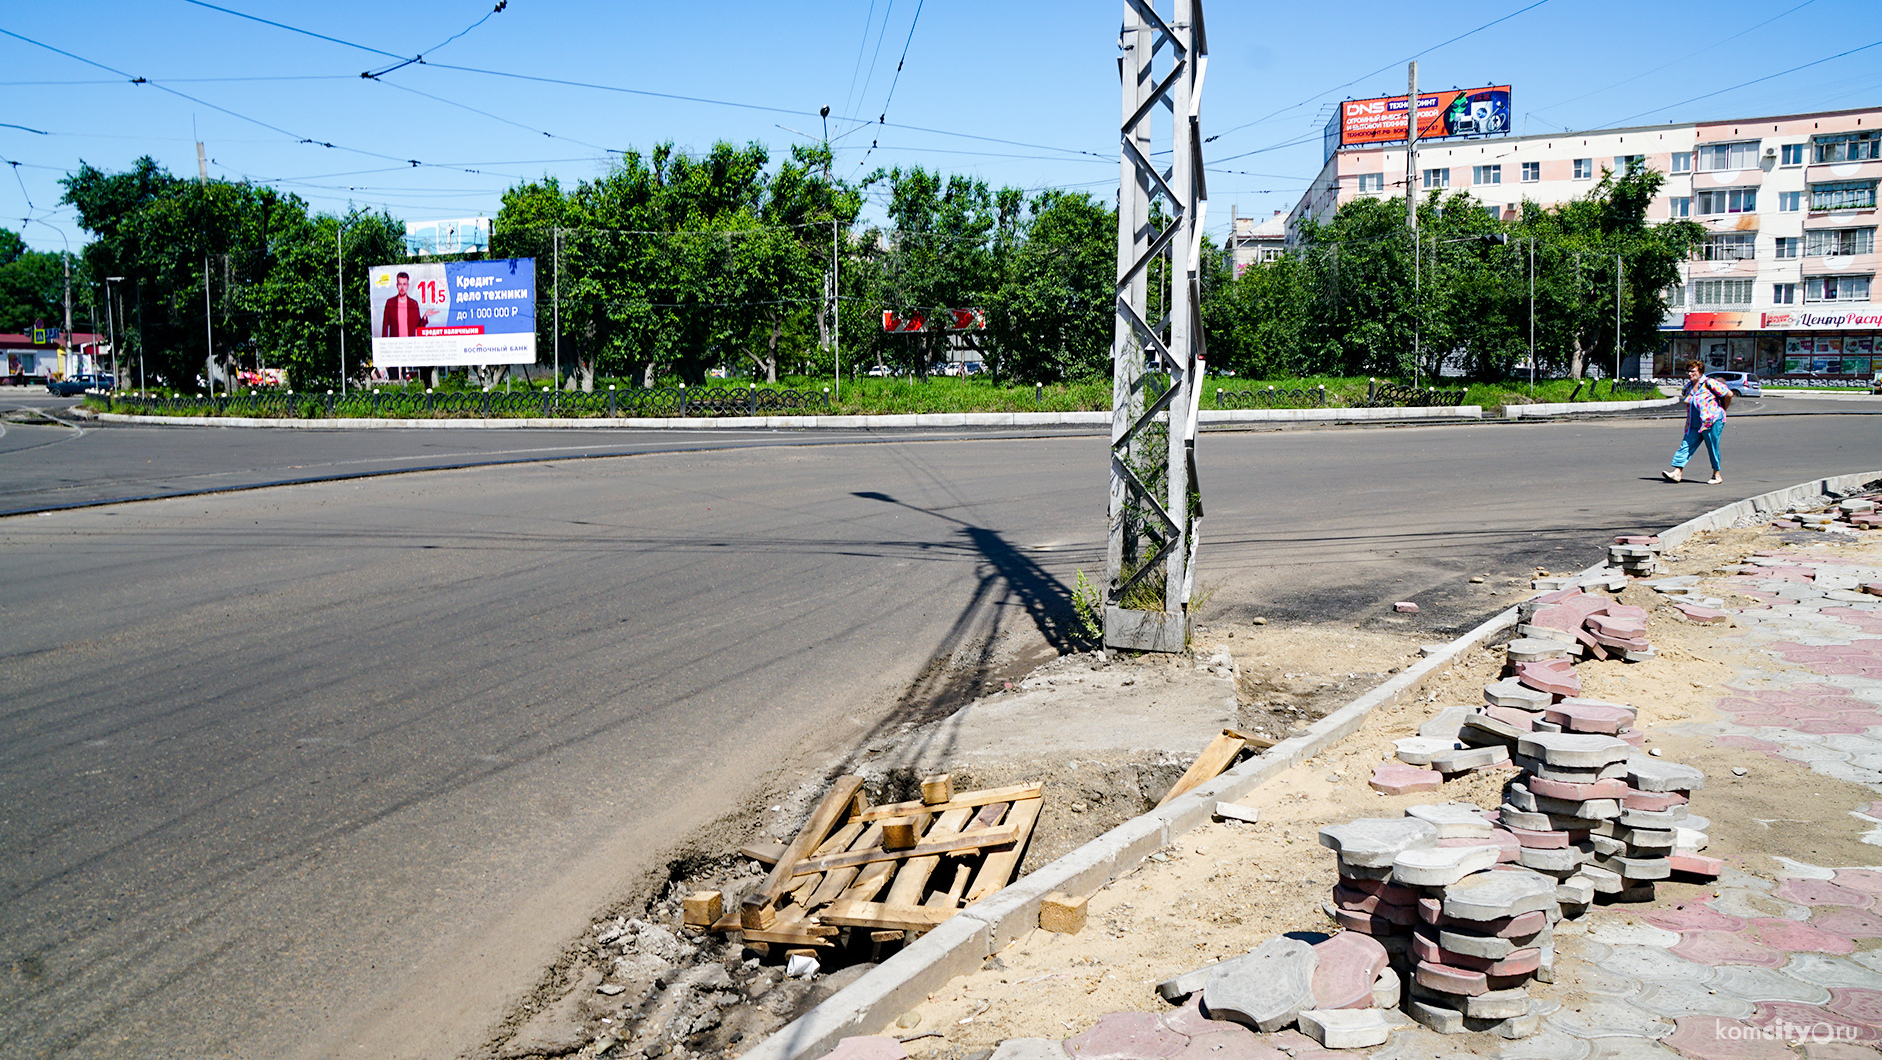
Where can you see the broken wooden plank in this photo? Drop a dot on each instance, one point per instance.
(884, 916)
(836, 802)
(763, 853)
(803, 887)
(912, 879)
(974, 840)
(791, 927)
(964, 799)
(836, 881)
(870, 880)
(997, 870)
(1216, 757)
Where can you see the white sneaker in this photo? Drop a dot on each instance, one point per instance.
(1672, 476)
(1715, 479)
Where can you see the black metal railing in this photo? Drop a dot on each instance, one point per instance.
(552, 404)
(1272, 398)
(1384, 395)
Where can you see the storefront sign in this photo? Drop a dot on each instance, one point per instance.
(1862, 316)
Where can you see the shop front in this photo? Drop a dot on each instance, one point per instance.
(1820, 348)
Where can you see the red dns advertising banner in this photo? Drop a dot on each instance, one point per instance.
(1452, 112)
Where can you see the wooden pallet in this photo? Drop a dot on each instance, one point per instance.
(837, 874)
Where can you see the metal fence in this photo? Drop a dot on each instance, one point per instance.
(554, 404)
(1272, 398)
(1397, 395)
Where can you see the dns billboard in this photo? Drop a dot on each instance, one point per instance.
(454, 314)
(1452, 112)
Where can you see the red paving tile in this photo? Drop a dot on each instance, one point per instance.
(1746, 743)
(1714, 1038)
(1850, 923)
(1822, 892)
(1863, 879)
(1791, 936)
(1693, 918)
(1126, 1036)
(1708, 946)
(1863, 1006)
(1816, 1022)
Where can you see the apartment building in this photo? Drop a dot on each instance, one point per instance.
(1782, 285)
(1254, 239)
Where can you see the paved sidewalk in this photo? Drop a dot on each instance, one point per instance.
(1781, 956)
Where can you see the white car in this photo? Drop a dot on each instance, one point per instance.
(1743, 384)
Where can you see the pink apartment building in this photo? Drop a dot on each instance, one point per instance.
(1782, 285)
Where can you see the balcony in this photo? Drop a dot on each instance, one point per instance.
(1823, 172)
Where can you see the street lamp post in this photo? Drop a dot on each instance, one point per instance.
(111, 327)
(339, 257)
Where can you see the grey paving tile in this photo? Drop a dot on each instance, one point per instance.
(1832, 972)
(1550, 1044)
(1674, 998)
(1599, 1017)
(1753, 983)
(1650, 964)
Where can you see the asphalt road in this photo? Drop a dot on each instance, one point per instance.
(336, 769)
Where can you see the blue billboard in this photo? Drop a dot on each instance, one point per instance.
(452, 314)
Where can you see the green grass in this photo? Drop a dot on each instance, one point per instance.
(945, 394)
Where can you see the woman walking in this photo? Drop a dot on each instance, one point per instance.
(1706, 401)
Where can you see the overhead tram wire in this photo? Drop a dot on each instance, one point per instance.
(1748, 84)
(1375, 73)
(497, 117)
(678, 97)
(890, 98)
(297, 137)
(850, 97)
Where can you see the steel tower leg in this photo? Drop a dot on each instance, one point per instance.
(1156, 499)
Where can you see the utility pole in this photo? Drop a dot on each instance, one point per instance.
(1411, 146)
(1137, 515)
(1411, 212)
(555, 303)
(68, 307)
(339, 259)
(1532, 316)
(836, 290)
(1617, 319)
(209, 326)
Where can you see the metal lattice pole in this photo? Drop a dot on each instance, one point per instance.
(1156, 499)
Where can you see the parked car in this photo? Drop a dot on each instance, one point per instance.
(1743, 384)
(80, 384)
(880, 371)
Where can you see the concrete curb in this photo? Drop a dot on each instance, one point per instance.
(775, 423)
(965, 940)
(1765, 505)
(1558, 408)
(875, 1000)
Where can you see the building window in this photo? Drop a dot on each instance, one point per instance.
(1623, 163)
(1837, 241)
(1679, 206)
(1584, 169)
(1532, 172)
(1721, 292)
(1843, 195)
(1790, 201)
(1836, 288)
(1717, 157)
(1729, 200)
(1682, 161)
(1676, 295)
(1437, 178)
(1848, 147)
(1783, 293)
(1730, 246)
(1792, 155)
(1371, 182)
(1486, 174)
(1788, 246)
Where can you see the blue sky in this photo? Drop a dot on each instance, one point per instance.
(1021, 94)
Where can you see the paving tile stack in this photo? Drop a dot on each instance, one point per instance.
(1857, 513)
(1478, 926)
(1637, 554)
(1603, 628)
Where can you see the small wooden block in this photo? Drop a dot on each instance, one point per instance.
(887, 936)
(801, 953)
(763, 853)
(702, 908)
(900, 833)
(937, 789)
(756, 913)
(1062, 913)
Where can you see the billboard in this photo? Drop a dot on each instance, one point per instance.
(454, 313)
(1452, 112)
(460, 236)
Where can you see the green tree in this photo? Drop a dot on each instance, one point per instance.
(32, 288)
